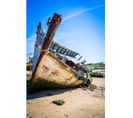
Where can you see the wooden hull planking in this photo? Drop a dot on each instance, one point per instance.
(54, 73)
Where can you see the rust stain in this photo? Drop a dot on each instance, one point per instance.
(45, 67)
(56, 72)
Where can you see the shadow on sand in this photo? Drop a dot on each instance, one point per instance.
(46, 93)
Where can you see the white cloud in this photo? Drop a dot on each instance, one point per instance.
(81, 12)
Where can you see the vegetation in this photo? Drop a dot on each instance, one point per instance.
(92, 66)
(96, 69)
(59, 102)
(97, 74)
(41, 84)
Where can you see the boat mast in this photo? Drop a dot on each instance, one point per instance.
(53, 25)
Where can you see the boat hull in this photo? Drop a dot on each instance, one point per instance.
(51, 72)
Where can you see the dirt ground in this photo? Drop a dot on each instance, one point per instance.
(79, 103)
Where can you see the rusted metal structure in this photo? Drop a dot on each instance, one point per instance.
(52, 68)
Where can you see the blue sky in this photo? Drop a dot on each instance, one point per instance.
(82, 28)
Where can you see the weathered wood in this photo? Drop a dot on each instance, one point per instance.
(54, 73)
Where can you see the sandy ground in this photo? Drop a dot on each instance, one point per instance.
(79, 103)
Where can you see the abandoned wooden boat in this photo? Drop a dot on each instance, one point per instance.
(52, 66)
